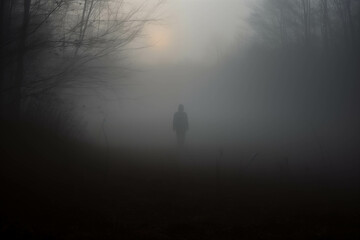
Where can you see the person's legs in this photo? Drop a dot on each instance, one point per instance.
(180, 138)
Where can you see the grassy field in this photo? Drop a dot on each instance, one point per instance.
(52, 188)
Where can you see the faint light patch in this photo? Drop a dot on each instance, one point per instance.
(159, 37)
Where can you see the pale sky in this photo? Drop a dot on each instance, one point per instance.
(195, 31)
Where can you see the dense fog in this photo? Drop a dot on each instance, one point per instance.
(244, 93)
(177, 118)
(275, 78)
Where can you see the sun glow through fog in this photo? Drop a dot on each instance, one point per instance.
(159, 37)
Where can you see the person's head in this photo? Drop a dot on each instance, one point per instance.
(181, 108)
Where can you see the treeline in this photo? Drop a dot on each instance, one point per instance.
(47, 45)
(326, 24)
(307, 53)
(299, 76)
(313, 36)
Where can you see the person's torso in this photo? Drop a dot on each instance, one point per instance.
(180, 121)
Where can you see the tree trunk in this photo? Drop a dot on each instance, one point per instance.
(2, 25)
(339, 4)
(351, 22)
(19, 79)
(4, 21)
(84, 22)
(306, 21)
(358, 11)
(325, 23)
(81, 28)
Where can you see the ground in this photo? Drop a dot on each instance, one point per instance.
(52, 188)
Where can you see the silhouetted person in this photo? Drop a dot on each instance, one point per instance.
(180, 125)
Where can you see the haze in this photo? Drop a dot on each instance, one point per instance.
(180, 119)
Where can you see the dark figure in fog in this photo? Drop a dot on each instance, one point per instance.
(180, 125)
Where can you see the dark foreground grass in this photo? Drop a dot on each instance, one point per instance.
(54, 189)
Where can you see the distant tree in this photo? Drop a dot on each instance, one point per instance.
(333, 21)
(307, 40)
(325, 23)
(45, 45)
(306, 16)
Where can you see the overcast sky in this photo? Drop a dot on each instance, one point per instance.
(195, 30)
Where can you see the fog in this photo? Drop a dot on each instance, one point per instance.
(180, 119)
(204, 58)
(182, 62)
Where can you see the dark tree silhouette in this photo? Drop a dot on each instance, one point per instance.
(49, 45)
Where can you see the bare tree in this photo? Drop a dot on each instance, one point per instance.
(325, 22)
(348, 10)
(20, 56)
(306, 16)
(58, 41)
